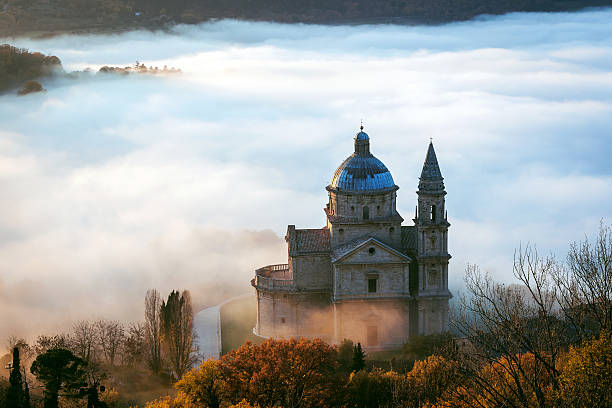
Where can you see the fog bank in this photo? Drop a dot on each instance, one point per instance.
(114, 185)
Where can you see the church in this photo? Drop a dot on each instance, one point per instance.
(364, 276)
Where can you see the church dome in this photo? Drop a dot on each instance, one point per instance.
(362, 136)
(361, 171)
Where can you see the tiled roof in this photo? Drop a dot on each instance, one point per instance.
(307, 241)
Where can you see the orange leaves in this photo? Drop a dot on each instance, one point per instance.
(293, 373)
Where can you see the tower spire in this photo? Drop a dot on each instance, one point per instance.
(431, 169)
(431, 177)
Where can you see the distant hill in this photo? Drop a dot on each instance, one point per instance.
(33, 17)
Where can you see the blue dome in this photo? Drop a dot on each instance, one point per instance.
(362, 173)
(362, 136)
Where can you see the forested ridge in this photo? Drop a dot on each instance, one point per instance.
(51, 16)
(18, 66)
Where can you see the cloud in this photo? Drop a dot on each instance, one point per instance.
(113, 185)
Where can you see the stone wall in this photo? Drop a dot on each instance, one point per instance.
(351, 281)
(388, 232)
(433, 315)
(351, 205)
(375, 324)
(291, 314)
(312, 272)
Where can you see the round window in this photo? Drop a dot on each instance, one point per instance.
(372, 251)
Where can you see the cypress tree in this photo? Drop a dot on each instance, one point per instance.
(26, 394)
(358, 358)
(14, 395)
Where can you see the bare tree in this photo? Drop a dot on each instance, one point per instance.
(177, 331)
(110, 334)
(153, 304)
(584, 285)
(26, 351)
(84, 340)
(134, 345)
(515, 334)
(44, 343)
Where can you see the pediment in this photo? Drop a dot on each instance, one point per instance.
(368, 251)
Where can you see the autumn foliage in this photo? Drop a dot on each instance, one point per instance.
(586, 380)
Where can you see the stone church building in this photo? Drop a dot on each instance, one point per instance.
(364, 276)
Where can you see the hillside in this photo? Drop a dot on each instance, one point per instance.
(43, 17)
(17, 66)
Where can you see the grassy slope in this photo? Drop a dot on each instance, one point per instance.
(238, 318)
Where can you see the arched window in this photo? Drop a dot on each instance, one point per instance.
(433, 213)
(341, 235)
(366, 212)
(391, 231)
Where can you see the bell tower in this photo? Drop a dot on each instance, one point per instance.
(432, 248)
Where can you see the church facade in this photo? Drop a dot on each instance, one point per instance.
(364, 276)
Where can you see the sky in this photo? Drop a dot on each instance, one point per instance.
(111, 185)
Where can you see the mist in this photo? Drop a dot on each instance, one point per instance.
(111, 185)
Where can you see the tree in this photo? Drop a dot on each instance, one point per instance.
(59, 370)
(584, 285)
(586, 380)
(111, 335)
(371, 389)
(44, 343)
(84, 340)
(26, 352)
(4, 385)
(24, 347)
(165, 402)
(30, 86)
(14, 396)
(134, 345)
(423, 346)
(345, 354)
(177, 331)
(26, 393)
(428, 380)
(290, 373)
(515, 332)
(243, 404)
(498, 385)
(153, 329)
(204, 385)
(358, 358)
